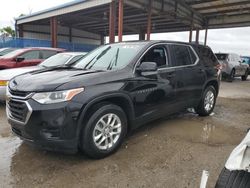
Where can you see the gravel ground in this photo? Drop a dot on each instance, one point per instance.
(171, 152)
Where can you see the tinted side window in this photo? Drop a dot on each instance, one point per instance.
(47, 53)
(207, 56)
(31, 55)
(156, 54)
(181, 55)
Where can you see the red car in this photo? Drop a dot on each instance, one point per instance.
(27, 57)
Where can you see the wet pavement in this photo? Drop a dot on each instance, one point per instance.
(171, 152)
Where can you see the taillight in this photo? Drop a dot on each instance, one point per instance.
(218, 67)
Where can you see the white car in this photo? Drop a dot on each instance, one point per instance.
(236, 173)
(60, 59)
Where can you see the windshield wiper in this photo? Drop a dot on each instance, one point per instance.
(112, 63)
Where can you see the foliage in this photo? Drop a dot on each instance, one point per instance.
(8, 31)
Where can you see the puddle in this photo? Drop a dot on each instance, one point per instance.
(8, 147)
(202, 132)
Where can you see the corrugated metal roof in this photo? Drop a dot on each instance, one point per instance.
(168, 15)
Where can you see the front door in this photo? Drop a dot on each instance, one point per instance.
(153, 94)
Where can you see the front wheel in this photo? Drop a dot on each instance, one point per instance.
(244, 78)
(232, 76)
(207, 103)
(104, 132)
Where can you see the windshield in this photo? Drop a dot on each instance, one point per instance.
(12, 54)
(56, 60)
(6, 51)
(110, 57)
(221, 56)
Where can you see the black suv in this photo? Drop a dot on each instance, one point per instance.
(115, 88)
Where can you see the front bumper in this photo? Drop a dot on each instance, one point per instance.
(51, 126)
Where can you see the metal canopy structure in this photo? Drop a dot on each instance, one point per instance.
(124, 17)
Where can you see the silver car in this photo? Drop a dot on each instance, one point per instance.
(66, 58)
(232, 66)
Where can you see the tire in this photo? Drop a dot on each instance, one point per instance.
(231, 76)
(96, 127)
(244, 78)
(203, 109)
(233, 179)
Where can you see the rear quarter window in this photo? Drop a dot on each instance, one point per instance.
(207, 56)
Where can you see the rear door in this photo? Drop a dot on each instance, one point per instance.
(190, 75)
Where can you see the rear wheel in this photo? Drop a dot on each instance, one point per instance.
(231, 76)
(104, 132)
(207, 103)
(244, 78)
(233, 179)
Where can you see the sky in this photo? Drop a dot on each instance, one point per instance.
(235, 40)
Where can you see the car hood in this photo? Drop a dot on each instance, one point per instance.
(52, 79)
(11, 73)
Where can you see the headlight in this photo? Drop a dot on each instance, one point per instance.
(4, 82)
(57, 96)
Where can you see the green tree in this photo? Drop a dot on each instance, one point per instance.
(8, 31)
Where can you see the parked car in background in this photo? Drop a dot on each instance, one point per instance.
(27, 57)
(66, 58)
(4, 51)
(236, 173)
(113, 89)
(246, 59)
(232, 66)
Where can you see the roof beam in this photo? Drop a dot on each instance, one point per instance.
(198, 2)
(229, 21)
(180, 11)
(223, 5)
(61, 11)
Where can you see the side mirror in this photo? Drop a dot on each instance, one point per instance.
(147, 67)
(19, 59)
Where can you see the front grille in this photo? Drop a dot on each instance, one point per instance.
(19, 93)
(18, 110)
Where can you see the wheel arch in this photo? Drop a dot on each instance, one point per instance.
(213, 83)
(119, 99)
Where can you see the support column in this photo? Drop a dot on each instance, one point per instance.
(191, 29)
(112, 22)
(102, 39)
(149, 22)
(20, 31)
(142, 35)
(53, 32)
(205, 42)
(197, 36)
(190, 34)
(70, 34)
(120, 24)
